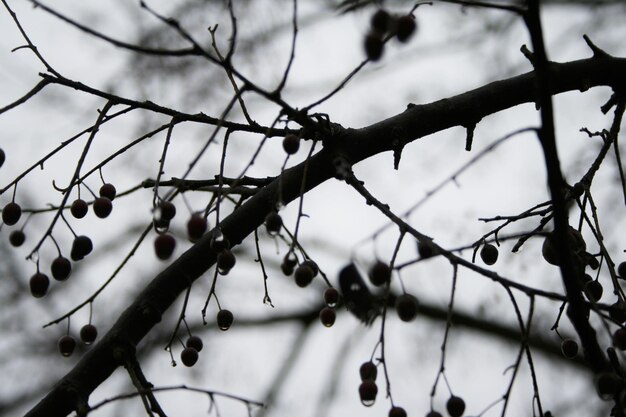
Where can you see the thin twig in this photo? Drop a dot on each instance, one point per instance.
(292, 53)
(176, 388)
(76, 175)
(93, 296)
(131, 47)
(358, 186)
(259, 259)
(37, 88)
(454, 176)
(497, 6)
(166, 146)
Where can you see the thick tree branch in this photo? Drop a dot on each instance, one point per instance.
(351, 146)
(572, 270)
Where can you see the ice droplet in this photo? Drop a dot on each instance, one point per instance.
(368, 403)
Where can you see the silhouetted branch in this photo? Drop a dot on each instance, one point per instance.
(349, 146)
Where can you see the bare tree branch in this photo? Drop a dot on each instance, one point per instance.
(347, 146)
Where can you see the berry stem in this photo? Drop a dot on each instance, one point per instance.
(259, 259)
(220, 184)
(181, 319)
(302, 192)
(166, 144)
(108, 281)
(101, 115)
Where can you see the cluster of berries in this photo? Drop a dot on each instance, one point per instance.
(67, 343)
(189, 355)
(382, 24)
(82, 245)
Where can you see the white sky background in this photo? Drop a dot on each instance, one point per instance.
(435, 64)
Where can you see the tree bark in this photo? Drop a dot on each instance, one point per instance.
(352, 145)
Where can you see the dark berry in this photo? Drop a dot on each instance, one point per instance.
(617, 311)
(593, 291)
(608, 384)
(575, 242)
(273, 223)
(289, 264)
(311, 264)
(368, 370)
(397, 412)
(489, 254)
(357, 296)
(81, 247)
(569, 348)
(189, 356)
(405, 27)
(380, 273)
(66, 345)
(433, 413)
(621, 270)
(11, 213)
(39, 284)
(291, 144)
(219, 243)
(455, 406)
(225, 261)
(331, 297)
(79, 208)
(17, 238)
(160, 225)
(224, 319)
(592, 262)
(374, 46)
(162, 216)
(381, 20)
(61, 268)
(328, 316)
(367, 392)
(166, 211)
(102, 206)
(619, 338)
(194, 342)
(108, 190)
(196, 226)
(164, 245)
(88, 334)
(2, 157)
(549, 251)
(406, 307)
(303, 276)
(286, 268)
